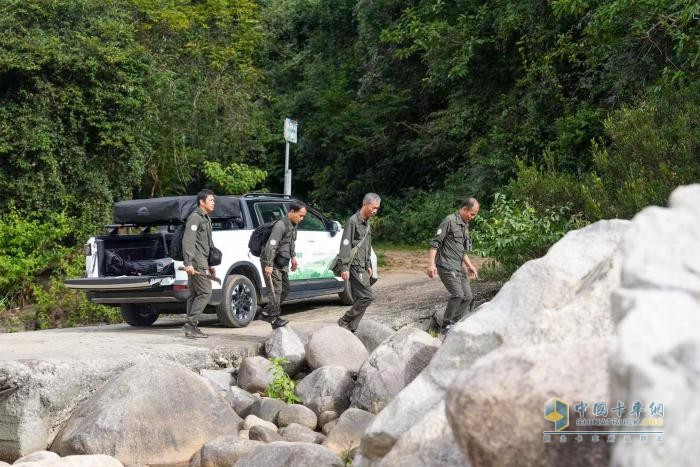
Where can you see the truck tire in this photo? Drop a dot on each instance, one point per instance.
(345, 296)
(138, 315)
(237, 309)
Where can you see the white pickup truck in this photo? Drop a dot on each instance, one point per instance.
(130, 267)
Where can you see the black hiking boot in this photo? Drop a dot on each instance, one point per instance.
(265, 317)
(279, 322)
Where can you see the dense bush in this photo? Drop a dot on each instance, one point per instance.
(34, 259)
(413, 219)
(653, 147)
(514, 232)
(571, 108)
(29, 247)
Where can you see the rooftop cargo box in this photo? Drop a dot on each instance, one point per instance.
(170, 209)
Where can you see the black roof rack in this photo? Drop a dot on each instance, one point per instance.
(267, 195)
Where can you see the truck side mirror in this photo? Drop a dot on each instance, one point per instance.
(334, 228)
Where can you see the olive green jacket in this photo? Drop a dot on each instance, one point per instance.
(355, 230)
(196, 240)
(451, 242)
(281, 243)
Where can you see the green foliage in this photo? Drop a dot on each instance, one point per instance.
(234, 179)
(72, 87)
(584, 104)
(34, 259)
(407, 95)
(282, 386)
(413, 220)
(102, 101)
(29, 247)
(205, 88)
(652, 149)
(55, 306)
(513, 232)
(655, 147)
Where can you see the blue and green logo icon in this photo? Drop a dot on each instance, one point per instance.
(557, 411)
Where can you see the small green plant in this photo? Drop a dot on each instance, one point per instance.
(282, 386)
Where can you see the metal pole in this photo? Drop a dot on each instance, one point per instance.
(287, 178)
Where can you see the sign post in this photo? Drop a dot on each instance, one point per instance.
(290, 136)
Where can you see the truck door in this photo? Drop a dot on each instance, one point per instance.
(315, 248)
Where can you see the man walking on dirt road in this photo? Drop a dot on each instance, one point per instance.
(356, 267)
(448, 258)
(277, 258)
(196, 244)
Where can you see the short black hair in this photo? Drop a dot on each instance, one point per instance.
(202, 195)
(296, 206)
(469, 202)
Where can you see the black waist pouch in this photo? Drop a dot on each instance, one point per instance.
(214, 256)
(282, 259)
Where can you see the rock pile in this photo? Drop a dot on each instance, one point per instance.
(611, 313)
(159, 412)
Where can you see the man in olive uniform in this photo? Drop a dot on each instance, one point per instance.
(196, 243)
(277, 258)
(448, 258)
(355, 251)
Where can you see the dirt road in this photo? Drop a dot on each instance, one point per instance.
(404, 295)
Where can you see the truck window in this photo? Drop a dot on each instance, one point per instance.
(268, 212)
(227, 224)
(312, 222)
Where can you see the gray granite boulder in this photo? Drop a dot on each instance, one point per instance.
(327, 416)
(372, 333)
(518, 382)
(156, 411)
(326, 389)
(657, 356)
(267, 408)
(38, 456)
(251, 421)
(335, 346)
(241, 400)
(255, 374)
(224, 451)
(430, 443)
(301, 434)
(574, 302)
(285, 343)
(222, 379)
(285, 454)
(392, 366)
(347, 432)
(264, 434)
(297, 413)
(91, 460)
(328, 427)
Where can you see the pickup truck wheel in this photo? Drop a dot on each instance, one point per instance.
(138, 315)
(345, 296)
(240, 302)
